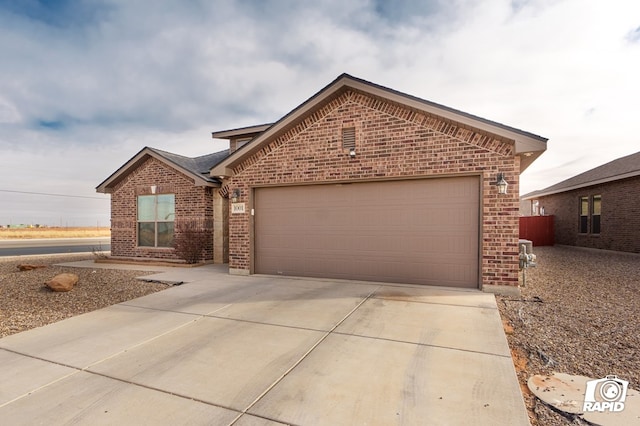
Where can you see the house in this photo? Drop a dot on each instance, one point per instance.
(599, 208)
(157, 192)
(359, 182)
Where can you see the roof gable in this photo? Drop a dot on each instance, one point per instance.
(196, 167)
(525, 143)
(621, 168)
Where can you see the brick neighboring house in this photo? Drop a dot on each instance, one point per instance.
(358, 182)
(599, 208)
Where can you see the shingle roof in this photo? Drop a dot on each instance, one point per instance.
(621, 168)
(198, 165)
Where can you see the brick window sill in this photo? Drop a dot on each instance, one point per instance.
(155, 248)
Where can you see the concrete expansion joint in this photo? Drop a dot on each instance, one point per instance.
(306, 354)
(77, 370)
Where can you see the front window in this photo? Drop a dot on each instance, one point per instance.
(156, 214)
(595, 214)
(584, 215)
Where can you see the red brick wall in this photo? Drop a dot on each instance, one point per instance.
(391, 142)
(619, 219)
(192, 204)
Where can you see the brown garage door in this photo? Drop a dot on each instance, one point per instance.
(414, 231)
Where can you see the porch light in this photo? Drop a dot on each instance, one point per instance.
(235, 195)
(352, 153)
(501, 184)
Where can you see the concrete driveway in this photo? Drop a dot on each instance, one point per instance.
(260, 350)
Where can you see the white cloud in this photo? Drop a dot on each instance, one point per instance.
(87, 87)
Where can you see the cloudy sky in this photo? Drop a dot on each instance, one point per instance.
(84, 85)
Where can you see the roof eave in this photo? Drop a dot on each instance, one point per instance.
(225, 168)
(582, 185)
(106, 187)
(524, 142)
(232, 133)
(527, 157)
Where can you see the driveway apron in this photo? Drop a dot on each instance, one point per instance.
(264, 350)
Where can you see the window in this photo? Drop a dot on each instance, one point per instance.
(595, 214)
(584, 215)
(535, 210)
(156, 214)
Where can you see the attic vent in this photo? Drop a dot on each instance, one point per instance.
(349, 138)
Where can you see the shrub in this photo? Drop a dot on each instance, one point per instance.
(190, 241)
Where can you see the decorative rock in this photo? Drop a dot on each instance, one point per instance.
(62, 282)
(29, 267)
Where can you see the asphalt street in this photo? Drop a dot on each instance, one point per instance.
(53, 246)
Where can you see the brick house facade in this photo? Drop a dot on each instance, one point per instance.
(397, 137)
(355, 132)
(597, 209)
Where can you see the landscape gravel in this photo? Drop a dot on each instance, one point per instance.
(578, 314)
(26, 303)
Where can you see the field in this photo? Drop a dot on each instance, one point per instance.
(53, 232)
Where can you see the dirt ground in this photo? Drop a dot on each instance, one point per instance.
(578, 314)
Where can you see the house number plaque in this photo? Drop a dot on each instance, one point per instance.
(237, 208)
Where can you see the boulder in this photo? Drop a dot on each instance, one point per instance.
(62, 282)
(29, 267)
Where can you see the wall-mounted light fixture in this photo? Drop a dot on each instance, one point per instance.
(501, 184)
(235, 195)
(153, 189)
(352, 153)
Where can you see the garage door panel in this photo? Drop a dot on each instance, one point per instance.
(418, 231)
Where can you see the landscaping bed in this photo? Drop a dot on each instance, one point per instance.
(578, 314)
(26, 303)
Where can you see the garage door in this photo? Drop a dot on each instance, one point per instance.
(414, 231)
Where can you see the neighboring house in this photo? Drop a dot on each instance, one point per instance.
(358, 182)
(599, 208)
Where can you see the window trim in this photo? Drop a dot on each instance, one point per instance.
(155, 222)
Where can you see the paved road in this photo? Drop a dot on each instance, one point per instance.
(53, 245)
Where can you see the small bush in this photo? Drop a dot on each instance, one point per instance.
(98, 252)
(191, 241)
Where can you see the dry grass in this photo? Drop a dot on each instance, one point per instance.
(29, 233)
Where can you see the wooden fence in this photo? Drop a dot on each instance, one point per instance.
(538, 229)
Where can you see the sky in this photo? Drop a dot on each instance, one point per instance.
(85, 85)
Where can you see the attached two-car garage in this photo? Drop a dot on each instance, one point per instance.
(420, 231)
